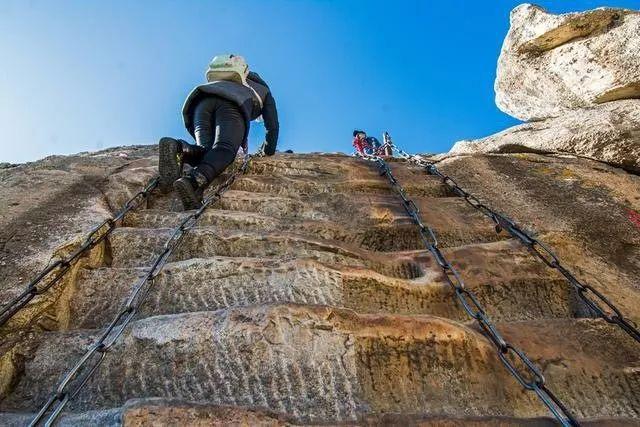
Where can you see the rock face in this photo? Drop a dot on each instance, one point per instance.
(552, 64)
(570, 75)
(306, 296)
(609, 132)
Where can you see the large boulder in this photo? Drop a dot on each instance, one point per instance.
(552, 64)
(609, 132)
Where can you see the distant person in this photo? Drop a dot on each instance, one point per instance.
(376, 146)
(369, 145)
(360, 142)
(217, 115)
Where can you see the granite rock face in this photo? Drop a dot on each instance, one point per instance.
(609, 133)
(551, 64)
(573, 78)
(306, 296)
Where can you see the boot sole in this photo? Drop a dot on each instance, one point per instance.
(187, 194)
(169, 165)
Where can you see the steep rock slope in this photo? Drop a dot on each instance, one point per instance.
(306, 296)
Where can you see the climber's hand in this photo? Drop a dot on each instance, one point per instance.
(261, 151)
(245, 146)
(264, 151)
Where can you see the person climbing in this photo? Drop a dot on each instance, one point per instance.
(360, 142)
(369, 145)
(217, 114)
(376, 146)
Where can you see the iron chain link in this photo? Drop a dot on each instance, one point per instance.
(86, 366)
(514, 359)
(55, 271)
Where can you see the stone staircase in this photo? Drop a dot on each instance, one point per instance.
(306, 296)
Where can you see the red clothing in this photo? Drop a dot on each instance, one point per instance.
(360, 144)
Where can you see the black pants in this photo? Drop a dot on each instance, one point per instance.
(219, 127)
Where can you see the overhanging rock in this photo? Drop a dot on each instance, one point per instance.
(552, 64)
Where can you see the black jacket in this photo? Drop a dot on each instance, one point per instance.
(246, 101)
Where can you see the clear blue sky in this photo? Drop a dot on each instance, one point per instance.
(87, 75)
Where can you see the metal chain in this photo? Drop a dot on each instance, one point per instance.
(598, 304)
(56, 270)
(530, 377)
(78, 376)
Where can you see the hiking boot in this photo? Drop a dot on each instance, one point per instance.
(169, 162)
(174, 153)
(192, 154)
(191, 189)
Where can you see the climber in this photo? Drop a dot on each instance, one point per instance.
(376, 146)
(360, 142)
(369, 145)
(217, 115)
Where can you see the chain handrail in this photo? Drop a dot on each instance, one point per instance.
(77, 377)
(593, 298)
(55, 271)
(531, 379)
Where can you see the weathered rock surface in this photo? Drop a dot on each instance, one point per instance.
(58, 199)
(171, 412)
(552, 64)
(306, 296)
(609, 132)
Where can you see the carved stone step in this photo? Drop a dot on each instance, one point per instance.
(319, 206)
(158, 411)
(305, 192)
(137, 247)
(324, 364)
(507, 280)
(378, 223)
(162, 412)
(311, 362)
(290, 186)
(392, 235)
(305, 186)
(331, 166)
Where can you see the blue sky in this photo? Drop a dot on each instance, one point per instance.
(87, 75)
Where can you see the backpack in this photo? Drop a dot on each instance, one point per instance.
(230, 67)
(373, 142)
